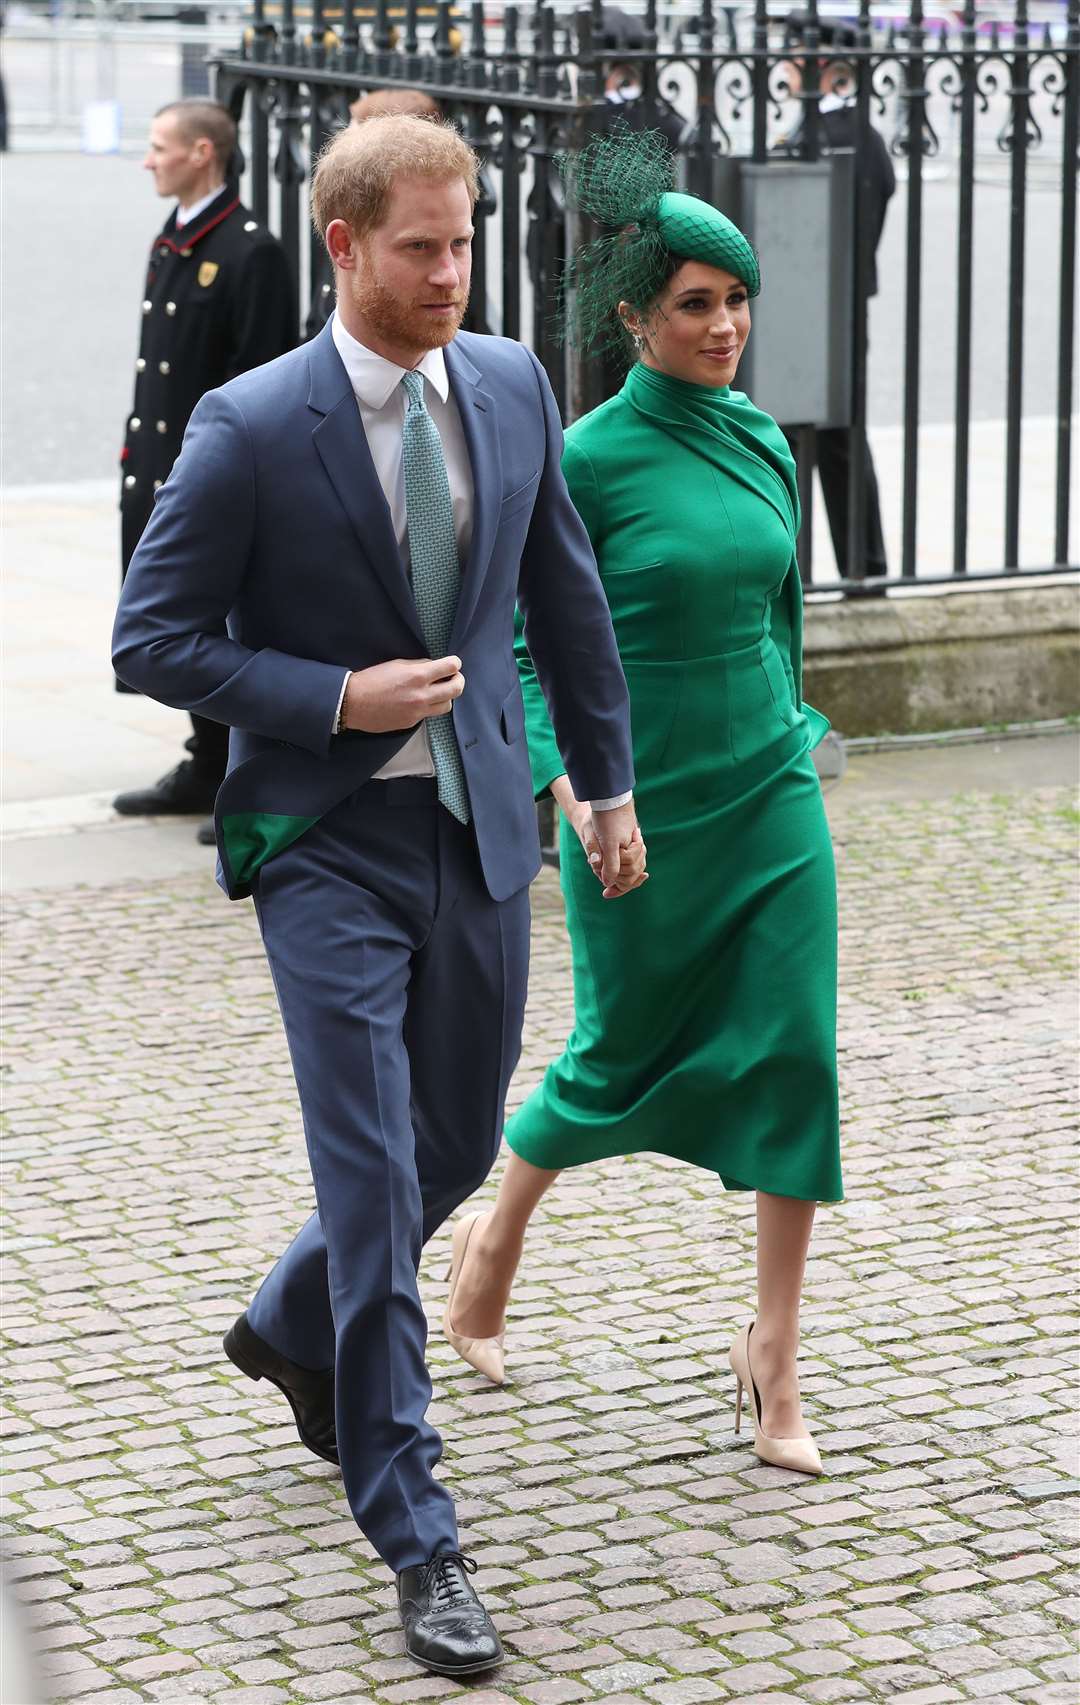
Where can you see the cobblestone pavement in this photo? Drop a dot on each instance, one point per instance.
(172, 1540)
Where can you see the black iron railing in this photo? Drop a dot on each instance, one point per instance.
(986, 88)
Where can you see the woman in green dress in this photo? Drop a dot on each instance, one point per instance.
(705, 1004)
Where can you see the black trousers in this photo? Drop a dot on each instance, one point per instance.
(834, 465)
(209, 747)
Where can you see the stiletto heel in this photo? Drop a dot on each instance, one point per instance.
(483, 1354)
(738, 1404)
(801, 1455)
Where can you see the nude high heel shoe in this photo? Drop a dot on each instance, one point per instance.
(798, 1454)
(483, 1354)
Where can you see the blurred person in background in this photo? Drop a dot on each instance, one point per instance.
(218, 299)
(839, 129)
(624, 90)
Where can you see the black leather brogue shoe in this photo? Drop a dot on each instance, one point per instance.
(446, 1627)
(184, 791)
(310, 1393)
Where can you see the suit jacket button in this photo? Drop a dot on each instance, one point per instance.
(140, 365)
(162, 426)
(157, 485)
(134, 423)
(147, 305)
(163, 367)
(251, 225)
(170, 307)
(129, 482)
(185, 254)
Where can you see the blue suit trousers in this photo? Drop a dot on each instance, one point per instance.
(402, 988)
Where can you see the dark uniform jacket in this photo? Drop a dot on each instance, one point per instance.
(641, 114)
(838, 128)
(218, 300)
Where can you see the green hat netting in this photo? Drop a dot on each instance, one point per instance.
(624, 180)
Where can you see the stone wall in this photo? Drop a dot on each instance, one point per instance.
(922, 661)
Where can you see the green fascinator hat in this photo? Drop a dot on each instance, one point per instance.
(623, 181)
(695, 230)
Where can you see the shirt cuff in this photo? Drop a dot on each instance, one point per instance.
(611, 804)
(341, 701)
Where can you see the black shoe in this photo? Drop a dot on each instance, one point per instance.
(205, 835)
(446, 1627)
(310, 1394)
(184, 791)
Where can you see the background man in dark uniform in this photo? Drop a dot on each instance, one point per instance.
(839, 128)
(218, 299)
(624, 93)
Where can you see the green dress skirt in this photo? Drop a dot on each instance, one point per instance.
(705, 1002)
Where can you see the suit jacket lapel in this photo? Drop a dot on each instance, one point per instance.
(342, 445)
(480, 424)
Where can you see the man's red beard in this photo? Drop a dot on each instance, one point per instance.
(400, 324)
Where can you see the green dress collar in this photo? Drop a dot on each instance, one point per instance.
(725, 428)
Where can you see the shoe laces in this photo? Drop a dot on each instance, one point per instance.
(443, 1579)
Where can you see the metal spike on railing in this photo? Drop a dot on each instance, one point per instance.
(411, 43)
(350, 34)
(444, 52)
(477, 51)
(590, 31)
(510, 73)
(760, 69)
(545, 56)
(381, 37)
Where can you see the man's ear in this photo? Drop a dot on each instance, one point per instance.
(341, 244)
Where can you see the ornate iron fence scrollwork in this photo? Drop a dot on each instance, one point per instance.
(950, 100)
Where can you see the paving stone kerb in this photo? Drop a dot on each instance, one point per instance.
(172, 1541)
(965, 657)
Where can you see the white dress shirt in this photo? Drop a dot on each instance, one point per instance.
(184, 215)
(376, 383)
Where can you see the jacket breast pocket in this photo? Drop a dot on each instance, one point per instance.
(519, 499)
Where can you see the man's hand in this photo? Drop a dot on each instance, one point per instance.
(625, 850)
(398, 694)
(620, 852)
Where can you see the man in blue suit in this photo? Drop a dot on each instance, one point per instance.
(365, 512)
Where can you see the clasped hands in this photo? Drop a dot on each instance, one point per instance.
(612, 840)
(405, 691)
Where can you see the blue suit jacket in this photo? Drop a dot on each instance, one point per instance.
(270, 566)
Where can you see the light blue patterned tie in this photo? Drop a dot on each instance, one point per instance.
(436, 572)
